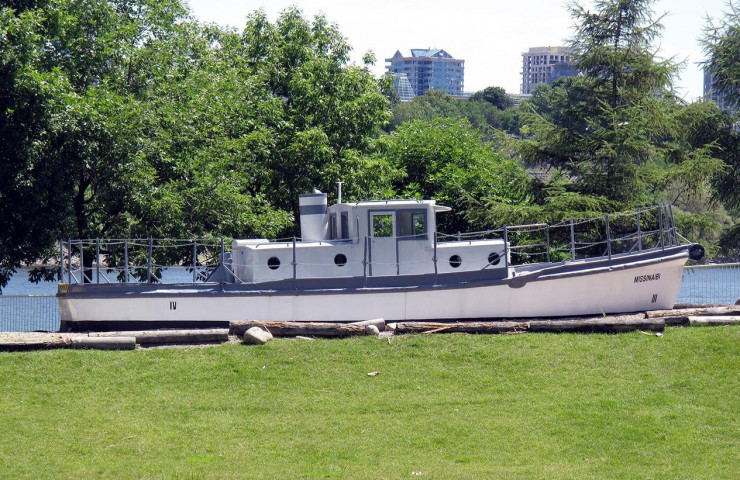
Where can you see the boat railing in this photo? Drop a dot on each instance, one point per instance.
(585, 238)
(154, 260)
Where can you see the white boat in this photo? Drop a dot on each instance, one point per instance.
(384, 259)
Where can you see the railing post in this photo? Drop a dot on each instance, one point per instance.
(149, 261)
(82, 262)
(547, 231)
(673, 235)
(506, 249)
(639, 231)
(125, 260)
(660, 226)
(97, 260)
(195, 260)
(61, 260)
(364, 260)
(295, 265)
(608, 238)
(434, 260)
(69, 256)
(221, 259)
(572, 241)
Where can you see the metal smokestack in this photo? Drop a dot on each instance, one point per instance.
(314, 220)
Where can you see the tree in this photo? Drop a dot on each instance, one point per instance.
(328, 110)
(606, 128)
(496, 96)
(127, 118)
(721, 43)
(28, 99)
(483, 115)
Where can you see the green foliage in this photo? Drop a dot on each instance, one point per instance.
(446, 159)
(129, 119)
(721, 43)
(327, 110)
(483, 110)
(604, 126)
(616, 132)
(496, 96)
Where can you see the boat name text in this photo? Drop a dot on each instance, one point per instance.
(647, 278)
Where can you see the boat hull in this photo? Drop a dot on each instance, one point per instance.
(635, 283)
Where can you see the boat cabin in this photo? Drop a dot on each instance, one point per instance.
(369, 238)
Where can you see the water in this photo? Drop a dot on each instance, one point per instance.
(30, 306)
(26, 306)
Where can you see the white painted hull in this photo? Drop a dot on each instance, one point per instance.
(628, 287)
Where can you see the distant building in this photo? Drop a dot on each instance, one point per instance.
(545, 65)
(428, 69)
(710, 94)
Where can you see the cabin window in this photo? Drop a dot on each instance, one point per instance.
(455, 261)
(344, 219)
(273, 263)
(411, 224)
(382, 225)
(332, 226)
(494, 258)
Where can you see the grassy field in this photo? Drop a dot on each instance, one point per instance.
(447, 406)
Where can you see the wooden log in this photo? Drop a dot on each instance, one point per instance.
(461, 327)
(294, 329)
(682, 306)
(26, 345)
(146, 337)
(378, 323)
(695, 312)
(36, 341)
(104, 343)
(714, 320)
(624, 323)
(676, 320)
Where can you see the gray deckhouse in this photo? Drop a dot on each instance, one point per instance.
(363, 239)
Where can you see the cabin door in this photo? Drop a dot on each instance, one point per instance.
(383, 255)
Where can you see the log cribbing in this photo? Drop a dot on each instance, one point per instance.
(147, 337)
(307, 329)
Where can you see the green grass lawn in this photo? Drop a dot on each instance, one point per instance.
(445, 406)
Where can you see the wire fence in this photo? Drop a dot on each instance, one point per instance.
(27, 313)
(702, 284)
(710, 284)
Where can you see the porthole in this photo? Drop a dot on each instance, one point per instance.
(455, 261)
(340, 259)
(273, 263)
(494, 258)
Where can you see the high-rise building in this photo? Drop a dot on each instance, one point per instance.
(545, 65)
(719, 98)
(428, 69)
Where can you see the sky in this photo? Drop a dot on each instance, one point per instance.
(490, 35)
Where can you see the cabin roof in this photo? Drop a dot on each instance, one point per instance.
(398, 203)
